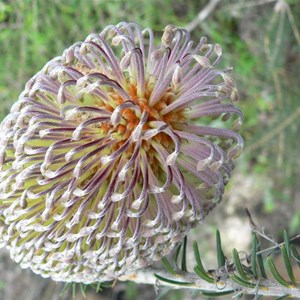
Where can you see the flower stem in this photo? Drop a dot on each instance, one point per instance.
(264, 287)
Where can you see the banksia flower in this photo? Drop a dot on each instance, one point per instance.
(113, 151)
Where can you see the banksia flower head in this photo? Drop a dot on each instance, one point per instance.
(113, 151)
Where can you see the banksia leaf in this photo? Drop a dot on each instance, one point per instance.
(171, 281)
(287, 262)
(253, 255)
(221, 256)
(238, 265)
(276, 274)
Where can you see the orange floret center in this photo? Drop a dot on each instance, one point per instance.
(130, 120)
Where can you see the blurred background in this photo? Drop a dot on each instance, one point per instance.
(260, 39)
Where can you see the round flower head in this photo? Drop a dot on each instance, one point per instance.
(113, 151)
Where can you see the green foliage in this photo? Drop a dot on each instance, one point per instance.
(221, 256)
(247, 272)
(199, 269)
(173, 282)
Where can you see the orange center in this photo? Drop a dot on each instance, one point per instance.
(124, 129)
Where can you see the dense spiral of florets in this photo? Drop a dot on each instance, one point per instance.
(114, 151)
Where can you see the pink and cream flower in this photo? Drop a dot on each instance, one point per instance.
(113, 151)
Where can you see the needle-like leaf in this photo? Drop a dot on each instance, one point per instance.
(276, 274)
(183, 260)
(171, 281)
(220, 253)
(238, 265)
(168, 266)
(287, 262)
(253, 255)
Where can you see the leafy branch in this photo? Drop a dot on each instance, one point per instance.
(253, 274)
